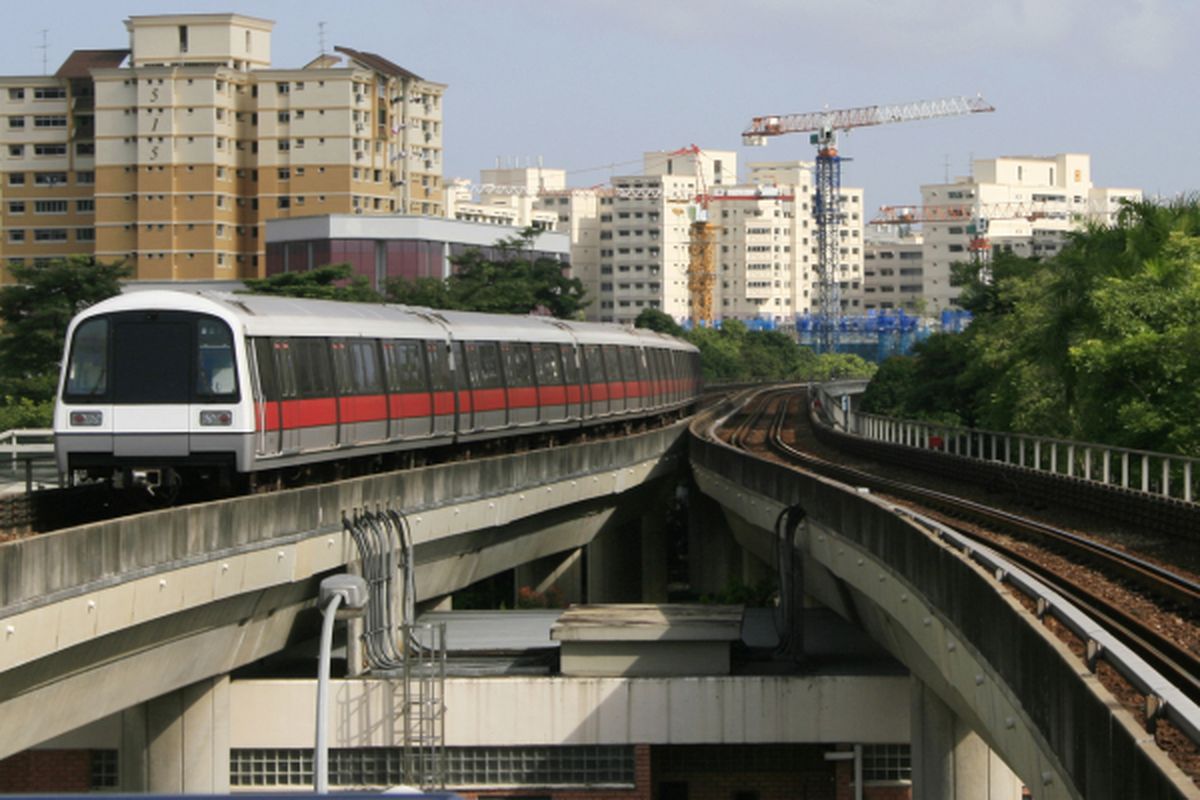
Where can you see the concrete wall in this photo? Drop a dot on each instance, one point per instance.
(558, 711)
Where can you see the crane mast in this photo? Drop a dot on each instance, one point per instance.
(827, 179)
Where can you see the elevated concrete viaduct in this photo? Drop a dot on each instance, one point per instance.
(101, 618)
(988, 676)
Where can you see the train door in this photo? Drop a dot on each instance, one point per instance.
(265, 387)
(520, 387)
(462, 389)
(410, 402)
(596, 381)
(617, 397)
(573, 380)
(309, 413)
(441, 382)
(362, 403)
(552, 394)
(152, 383)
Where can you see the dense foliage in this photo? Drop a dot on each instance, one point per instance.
(511, 282)
(331, 282)
(734, 354)
(1098, 343)
(35, 310)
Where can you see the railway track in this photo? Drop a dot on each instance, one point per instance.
(762, 426)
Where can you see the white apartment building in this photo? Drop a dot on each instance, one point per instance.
(506, 196)
(893, 272)
(768, 264)
(1022, 204)
(629, 243)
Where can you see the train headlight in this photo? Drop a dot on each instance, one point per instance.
(87, 418)
(216, 418)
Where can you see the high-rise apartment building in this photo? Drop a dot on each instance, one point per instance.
(892, 273)
(630, 242)
(1022, 204)
(171, 155)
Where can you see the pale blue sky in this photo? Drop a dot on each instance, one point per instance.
(584, 84)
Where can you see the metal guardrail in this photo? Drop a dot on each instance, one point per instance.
(1160, 475)
(28, 454)
(26, 442)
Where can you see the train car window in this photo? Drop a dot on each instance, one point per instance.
(546, 364)
(342, 374)
(153, 361)
(406, 366)
(313, 373)
(437, 356)
(518, 363)
(285, 367)
(216, 376)
(364, 366)
(595, 363)
(628, 371)
(483, 365)
(264, 357)
(87, 369)
(612, 362)
(570, 366)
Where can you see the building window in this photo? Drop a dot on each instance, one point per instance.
(85, 178)
(16, 122)
(50, 121)
(49, 149)
(283, 202)
(16, 94)
(16, 235)
(284, 174)
(50, 178)
(85, 206)
(50, 234)
(50, 207)
(49, 93)
(887, 762)
(85, 234)
(16, 207)
(16, 179)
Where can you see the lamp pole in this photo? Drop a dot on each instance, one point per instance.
(336, 591)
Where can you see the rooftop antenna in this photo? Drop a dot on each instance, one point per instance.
(321, 36)
(45, 48)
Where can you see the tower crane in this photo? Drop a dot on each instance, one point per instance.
(824, 125)
(702, 271)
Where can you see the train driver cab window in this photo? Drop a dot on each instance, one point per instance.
(216, 377)
(87, 371)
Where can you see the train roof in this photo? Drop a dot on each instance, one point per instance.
(276, 315)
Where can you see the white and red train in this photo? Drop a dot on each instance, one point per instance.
(159, 385)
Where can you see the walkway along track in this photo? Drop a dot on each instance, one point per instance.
(761, 426)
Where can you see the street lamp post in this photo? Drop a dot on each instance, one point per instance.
(337, 590)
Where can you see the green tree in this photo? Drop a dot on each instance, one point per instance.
(655, 320)
(35, 311)
(332, 282)
(1096, 343)
(514, 281)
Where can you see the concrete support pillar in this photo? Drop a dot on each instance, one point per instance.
(614, 569)
(714, 557)
(563, 571)
(951, 761)
(654, 554)
(178, 743)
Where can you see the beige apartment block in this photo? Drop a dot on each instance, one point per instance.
(172, 154)
(893, 273)
(1020, 204)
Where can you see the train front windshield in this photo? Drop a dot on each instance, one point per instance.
(143, 357)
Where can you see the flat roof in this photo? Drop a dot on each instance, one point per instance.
(404, 226)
